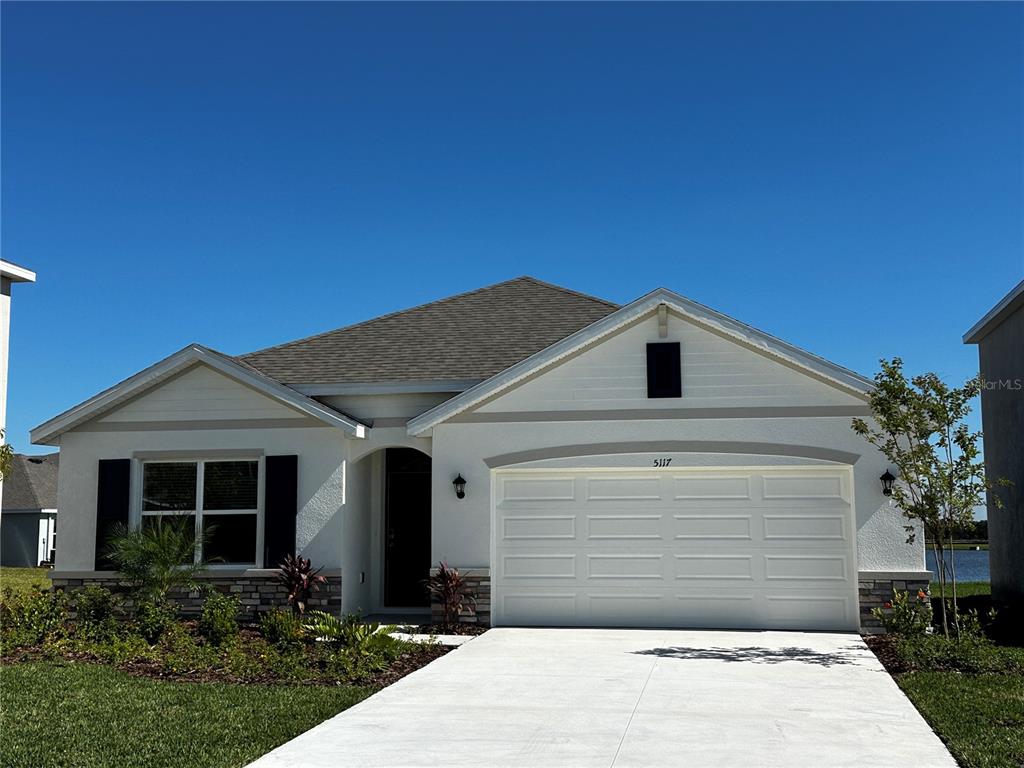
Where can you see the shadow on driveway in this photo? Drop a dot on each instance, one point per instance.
(847, 655)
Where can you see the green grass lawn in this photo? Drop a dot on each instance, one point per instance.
(22, 579)
(86, 715)
(965, 589)
(980, 717)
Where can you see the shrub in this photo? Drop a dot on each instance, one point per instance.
(98, 609)
(906, 616)
(219, 619)
(33, 617)
(154, 618)
(301, 580)
(351, 632)
(450, 589)
(157, 559)
(281, 628)
(973, 655)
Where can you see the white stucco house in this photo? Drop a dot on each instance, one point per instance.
(10, 273)
(653, 464)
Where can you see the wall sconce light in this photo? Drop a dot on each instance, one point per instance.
(887, 481)
(460, 486)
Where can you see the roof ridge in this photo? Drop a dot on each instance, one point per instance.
(435, 302)
(569, 291)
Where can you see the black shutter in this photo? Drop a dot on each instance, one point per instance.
(280, 506)
(113, 500)
(664, 372)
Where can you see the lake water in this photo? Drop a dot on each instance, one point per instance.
(971, 565)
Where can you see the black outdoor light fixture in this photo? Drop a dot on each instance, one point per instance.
(460, 486)
(887, 481)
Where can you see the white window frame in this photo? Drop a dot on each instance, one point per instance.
(200, 461)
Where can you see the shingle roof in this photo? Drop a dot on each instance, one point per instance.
(32, 482)
(469, 336)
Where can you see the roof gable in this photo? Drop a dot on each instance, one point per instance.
(721, 325)
(471, 337)
(175, 365)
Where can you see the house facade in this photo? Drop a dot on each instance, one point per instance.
(10, 274)
(1000, 339)
(653, 464)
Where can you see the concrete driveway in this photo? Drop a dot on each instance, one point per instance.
(605, 697)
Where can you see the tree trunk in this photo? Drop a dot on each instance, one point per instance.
(952, 581)
(940, 566)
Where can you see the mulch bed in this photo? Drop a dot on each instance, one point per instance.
(884, 647)
(399, 668)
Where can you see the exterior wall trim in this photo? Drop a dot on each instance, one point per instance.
(170, 426)
(671, 446)
(778, 412)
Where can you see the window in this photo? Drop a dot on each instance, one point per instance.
(664, 372)
(220, 498)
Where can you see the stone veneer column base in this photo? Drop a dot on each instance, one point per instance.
(479, 582)
(877, 588)
(257, 591)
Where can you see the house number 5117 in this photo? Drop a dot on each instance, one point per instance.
(662, 462)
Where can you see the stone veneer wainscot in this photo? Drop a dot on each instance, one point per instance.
(257, 590)
(877, 588)
(479, 582)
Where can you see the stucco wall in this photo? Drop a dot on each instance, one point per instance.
(461, 528)
(320, 478)
(1002, 413)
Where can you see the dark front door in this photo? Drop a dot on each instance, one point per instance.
(406, 527)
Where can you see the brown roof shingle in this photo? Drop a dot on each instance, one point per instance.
(469, 336)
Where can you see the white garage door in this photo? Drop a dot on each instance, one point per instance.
(744, 548)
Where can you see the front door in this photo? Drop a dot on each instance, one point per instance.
(406, 528)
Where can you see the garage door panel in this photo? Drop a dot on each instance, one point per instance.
(540, 566)
(711, 548)
(714, 567)
(517, 490)
(538, 527)
(624, 488)
(785, 487)
(625, 567)
(713, 526)
(816, 527)
(624, 527)
(541, 607)
(711, 488)
(814, 568)
(806, 611)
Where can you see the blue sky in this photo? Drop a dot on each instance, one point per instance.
(847, 177)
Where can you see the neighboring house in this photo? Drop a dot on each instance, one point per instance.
(653, 464)
(9, 274)
(28, 522)
(1000, 339)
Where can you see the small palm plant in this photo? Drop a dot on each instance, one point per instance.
(157, 559)
(452, 591)
(301, 579)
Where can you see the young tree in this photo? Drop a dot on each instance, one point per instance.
(919, 426)
(6, 457)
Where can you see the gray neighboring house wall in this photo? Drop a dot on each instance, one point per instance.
(1000, 339)
(29, 519)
